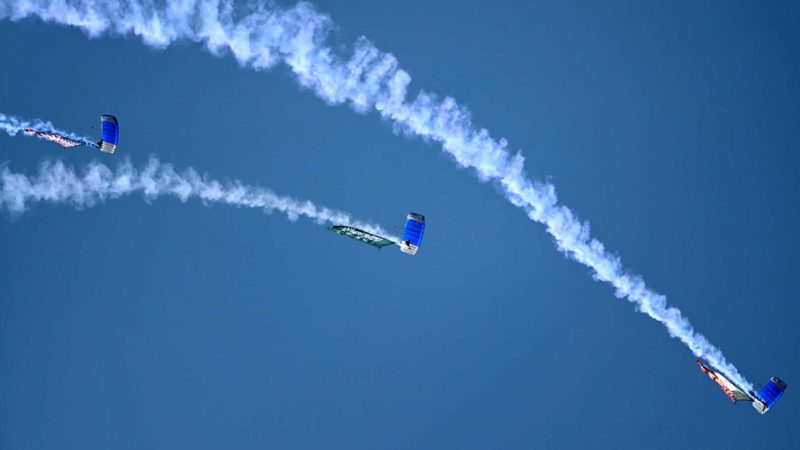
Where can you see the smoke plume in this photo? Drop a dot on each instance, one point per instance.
(57, 183)
(14, 125)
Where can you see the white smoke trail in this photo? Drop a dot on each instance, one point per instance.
(14, 125)
(368, 80)
(96, 183)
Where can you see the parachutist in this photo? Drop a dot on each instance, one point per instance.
(108, 143)
(412, 235)
(762, 401)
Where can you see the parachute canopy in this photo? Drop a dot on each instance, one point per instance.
(412, 235)
(109, 128)
(362, 236)
(769, 395)
(772, 391)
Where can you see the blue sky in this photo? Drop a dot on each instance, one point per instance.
(670, 128)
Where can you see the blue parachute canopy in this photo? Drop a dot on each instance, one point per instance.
(110, 133)
(412, 235)
(772, 391)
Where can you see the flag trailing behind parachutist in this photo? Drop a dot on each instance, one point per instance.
(363, 236)
(54, 138)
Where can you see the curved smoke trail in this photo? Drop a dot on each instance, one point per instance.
(368, 80)
(14, 125)
(59, 184)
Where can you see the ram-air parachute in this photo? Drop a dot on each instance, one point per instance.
(412, 235)
(109, 132)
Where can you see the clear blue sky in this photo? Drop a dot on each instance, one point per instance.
(671, 128)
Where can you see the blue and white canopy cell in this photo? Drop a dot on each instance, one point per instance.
(412, 235)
